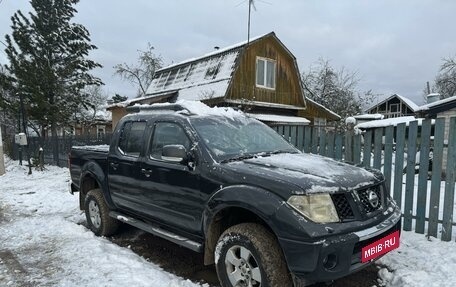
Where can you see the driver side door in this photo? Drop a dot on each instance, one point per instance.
(172, 189)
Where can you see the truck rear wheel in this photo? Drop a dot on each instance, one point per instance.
(97, 214)
(248, 254)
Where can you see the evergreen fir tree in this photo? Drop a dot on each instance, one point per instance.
(48, 62)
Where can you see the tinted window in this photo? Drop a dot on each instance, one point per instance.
(167, 134)
(131, 139)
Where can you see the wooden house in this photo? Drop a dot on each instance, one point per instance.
(393, 107)
(260, 76)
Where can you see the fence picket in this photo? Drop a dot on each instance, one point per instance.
(315, 134)
(307, 139)
(378, 134)
(437, 156)
(425, 144)
(349, 146)
(410, 175)
(399, 163)
(357, 149)
(367, 148)
(322, 143)
(338, 146)
(448, 203)
(330, 140)
(300, 138)
(388, 155)
(293, 136)
(286, 133)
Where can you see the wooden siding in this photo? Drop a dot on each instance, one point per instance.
(288, 87)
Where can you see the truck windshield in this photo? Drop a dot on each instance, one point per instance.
(239, 138)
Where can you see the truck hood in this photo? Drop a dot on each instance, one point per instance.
(302, 174)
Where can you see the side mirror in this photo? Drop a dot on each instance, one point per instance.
(174, 153)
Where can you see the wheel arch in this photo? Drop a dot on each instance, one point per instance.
(92, 176)
(235, 205)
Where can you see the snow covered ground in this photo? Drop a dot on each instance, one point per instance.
(42, 243)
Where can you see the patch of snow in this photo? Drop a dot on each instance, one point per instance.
(369, 117)
(390, 122)
(103, 148)
(41, 227)
(419, 262)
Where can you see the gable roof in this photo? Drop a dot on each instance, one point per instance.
(409, 103)
(205, 77)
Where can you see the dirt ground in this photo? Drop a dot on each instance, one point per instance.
(188, 264)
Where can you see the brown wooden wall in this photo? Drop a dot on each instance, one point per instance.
(288, 89)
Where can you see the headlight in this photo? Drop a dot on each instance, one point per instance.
(316, 207)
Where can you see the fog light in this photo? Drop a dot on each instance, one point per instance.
(330, 261)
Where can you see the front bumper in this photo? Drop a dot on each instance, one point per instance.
(335, 256)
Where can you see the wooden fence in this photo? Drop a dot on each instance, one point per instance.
(418, 161)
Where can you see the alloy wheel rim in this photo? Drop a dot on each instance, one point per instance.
(94, 213)
(242, 268)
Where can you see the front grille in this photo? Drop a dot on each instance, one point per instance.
(371, 198)
(343, 207)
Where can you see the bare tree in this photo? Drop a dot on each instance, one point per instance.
(96, 101)
(335, 89)
(445, 82)
(141, 73)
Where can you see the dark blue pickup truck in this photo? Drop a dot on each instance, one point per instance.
(219, 182)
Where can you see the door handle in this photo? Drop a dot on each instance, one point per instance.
(114, 165)
(146, 172)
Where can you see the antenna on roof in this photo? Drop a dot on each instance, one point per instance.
(251, 4)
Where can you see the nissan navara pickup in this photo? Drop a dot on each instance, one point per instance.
(221, 183)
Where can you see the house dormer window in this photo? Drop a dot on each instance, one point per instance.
(265, 73)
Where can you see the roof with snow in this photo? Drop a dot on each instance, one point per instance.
(389, 122)
(201, 78)
(409, 103)
(449, 102)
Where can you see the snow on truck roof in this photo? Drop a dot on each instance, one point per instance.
(195, 108)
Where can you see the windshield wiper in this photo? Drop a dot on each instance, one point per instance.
(241, 157)
(281, 151)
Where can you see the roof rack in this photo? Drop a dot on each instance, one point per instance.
(163, 107)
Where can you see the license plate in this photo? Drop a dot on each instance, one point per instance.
(380, 247)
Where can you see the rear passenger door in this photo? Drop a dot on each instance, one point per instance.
(173, 189)
(124, 166)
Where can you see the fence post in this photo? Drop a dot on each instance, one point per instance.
(448, 203)
(437, 159)
(410, 176)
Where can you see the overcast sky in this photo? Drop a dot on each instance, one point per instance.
(394, 46)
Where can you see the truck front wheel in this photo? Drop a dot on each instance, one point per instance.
(248, 254)
(97, 214)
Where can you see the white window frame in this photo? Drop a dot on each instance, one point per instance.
(265, 76)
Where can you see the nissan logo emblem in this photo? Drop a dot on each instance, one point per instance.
(373, 199)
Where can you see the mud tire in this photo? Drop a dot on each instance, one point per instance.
(97, 214)
(263, 247)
